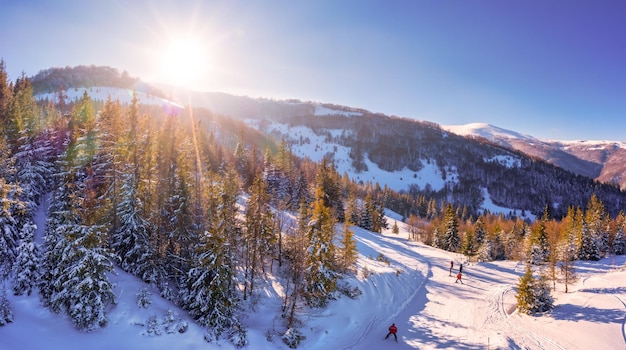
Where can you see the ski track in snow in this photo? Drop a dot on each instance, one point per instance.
(500, 328)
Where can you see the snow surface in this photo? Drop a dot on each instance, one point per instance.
(414, 290)
(320, 110)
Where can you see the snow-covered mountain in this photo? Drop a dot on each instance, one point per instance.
(604, 161)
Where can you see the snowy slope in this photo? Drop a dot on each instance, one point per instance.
(100, 93)
(414, 291)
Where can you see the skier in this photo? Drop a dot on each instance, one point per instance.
(458, 278)
(451, 266)
(461, 268)
(393, 330)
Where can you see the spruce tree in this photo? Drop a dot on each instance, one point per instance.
(451, 239)
(539, 248)
(533, 294)
(26, 270)
(6, 314)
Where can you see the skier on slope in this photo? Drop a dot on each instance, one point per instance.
(393, 330)
(458, 278)
(451, 266)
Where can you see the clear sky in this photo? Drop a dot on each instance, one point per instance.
(551, 69)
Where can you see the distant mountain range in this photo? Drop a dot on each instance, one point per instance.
(604, 161)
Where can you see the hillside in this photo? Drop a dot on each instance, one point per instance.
(413, 290)
(421, 157)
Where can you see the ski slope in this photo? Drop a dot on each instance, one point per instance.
(413, 289)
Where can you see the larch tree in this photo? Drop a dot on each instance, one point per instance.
(566, 249)
(320, 273)
(259, 234)
(348, 253)
(296, 254)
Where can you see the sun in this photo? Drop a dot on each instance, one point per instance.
(184, 62)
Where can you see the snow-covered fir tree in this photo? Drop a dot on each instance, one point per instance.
(26, 270)
(9, 220)
(589, 247)
(132, 240)
(538, 245)
(6, 314)
(451, 240)
(618, 245)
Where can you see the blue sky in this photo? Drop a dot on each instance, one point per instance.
(551, 69)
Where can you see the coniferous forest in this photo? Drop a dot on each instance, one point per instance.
(206, 210)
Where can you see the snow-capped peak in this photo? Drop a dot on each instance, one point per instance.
(487, 131)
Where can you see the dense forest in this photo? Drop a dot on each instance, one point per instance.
(196, 204)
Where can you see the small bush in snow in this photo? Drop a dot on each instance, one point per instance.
(169, 324)
(293, 338)
(238, 337)
(351, 293)
(366, 272)
(153, 326)
(383, 258)
(143, 298)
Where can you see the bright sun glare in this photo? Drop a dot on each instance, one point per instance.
(184, 62)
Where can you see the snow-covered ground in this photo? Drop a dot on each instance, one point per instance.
(413, 289)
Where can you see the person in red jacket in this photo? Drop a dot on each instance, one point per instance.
(393, 330)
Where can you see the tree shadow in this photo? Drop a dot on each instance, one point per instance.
(572, 312)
